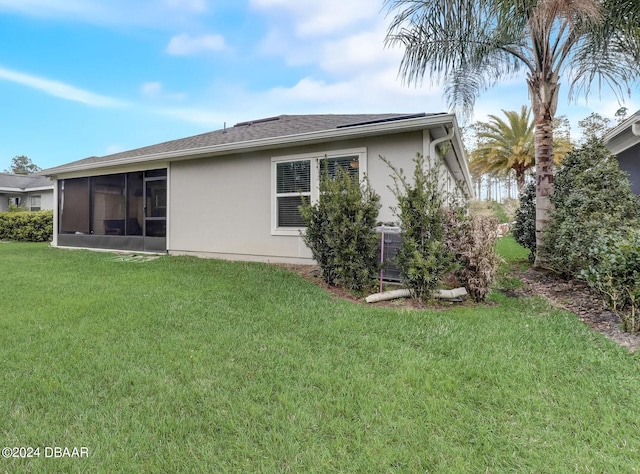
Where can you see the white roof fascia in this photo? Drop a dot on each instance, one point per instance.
(40, 188)
(12, 190)
(460, 155)
(355, 131)
(613, 138)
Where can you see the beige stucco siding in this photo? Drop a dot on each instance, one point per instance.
(221, 206)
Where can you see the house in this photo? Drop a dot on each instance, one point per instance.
(234, 193)
(624, 142)
(29, 191)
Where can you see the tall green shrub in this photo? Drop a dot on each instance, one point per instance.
(524, 228)
(591, 194)
(341, 230)
(614, 272)
(423, 257)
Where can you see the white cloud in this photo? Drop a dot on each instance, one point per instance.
(356, 53)
(59, 89)
(187, 45)
(114, 148)
(80, 8)
(321, 18)
(194, 115)
(155, 90)
(151, 89)
(150, 13)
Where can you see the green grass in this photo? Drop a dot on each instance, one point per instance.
(186, 365)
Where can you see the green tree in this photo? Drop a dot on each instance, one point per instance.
(22, 165)
(504, 145)
(594, 127)
(592, 195)
(341, 230)
(469, 45)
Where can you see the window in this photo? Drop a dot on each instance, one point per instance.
(35, 203)
(296, 178)
(293, 181)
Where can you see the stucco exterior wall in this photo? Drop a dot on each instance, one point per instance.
(46, 199)
(222, 206)
(630, 162)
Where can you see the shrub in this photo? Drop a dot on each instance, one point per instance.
(341, 230)
(524, 228)
(423, 257)
(472, 241)
(591, 195)
(614, 272)
(26, 226)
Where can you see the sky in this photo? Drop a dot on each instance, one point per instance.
(82, 78)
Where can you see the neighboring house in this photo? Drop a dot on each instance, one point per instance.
(29, 191)
(624, 142)
(234, 193)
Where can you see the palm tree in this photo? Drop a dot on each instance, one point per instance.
(468, 45)
(506, 145)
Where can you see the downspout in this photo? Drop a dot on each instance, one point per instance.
(437, 141)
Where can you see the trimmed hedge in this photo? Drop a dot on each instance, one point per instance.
(26, 226)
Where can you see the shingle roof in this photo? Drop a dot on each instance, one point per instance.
(24, 181)
(280, 126)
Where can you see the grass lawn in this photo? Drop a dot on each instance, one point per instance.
(187, 365)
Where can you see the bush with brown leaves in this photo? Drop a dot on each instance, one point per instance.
(473, 240)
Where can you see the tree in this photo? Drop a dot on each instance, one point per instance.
(504, 145)
(593, 127)
(621, 114)
(22, 165)
(468, 45)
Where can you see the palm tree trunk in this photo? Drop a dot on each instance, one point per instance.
(544, 93)
(519, 181)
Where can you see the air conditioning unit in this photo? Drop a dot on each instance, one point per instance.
(390, 241)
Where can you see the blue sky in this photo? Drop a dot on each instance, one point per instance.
(92, 77)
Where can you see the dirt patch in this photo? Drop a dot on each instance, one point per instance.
(570, 295)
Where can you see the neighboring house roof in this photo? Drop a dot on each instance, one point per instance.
(624, 135)
(23, 183)
(279, 132)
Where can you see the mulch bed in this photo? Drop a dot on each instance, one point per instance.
(571, 295)
(575, 296)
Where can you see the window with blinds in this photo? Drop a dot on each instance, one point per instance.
(296, 179)
(347, 163)
(293, 180)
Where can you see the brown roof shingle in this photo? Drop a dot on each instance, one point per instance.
(280, 126)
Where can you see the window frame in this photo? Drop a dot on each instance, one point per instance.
(31, 199)
(314, 159)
